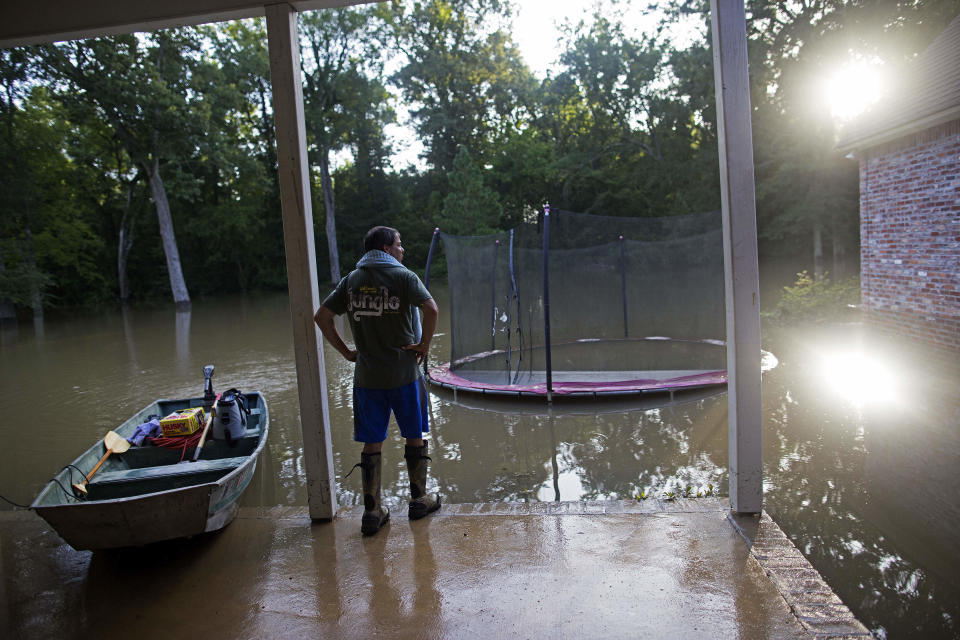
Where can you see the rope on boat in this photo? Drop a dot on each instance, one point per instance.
(72, 496)
(72, 467)
(76, 468)
(178, 442)
(16, 504)
(53, 479)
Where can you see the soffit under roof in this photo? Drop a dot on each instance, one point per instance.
(38, 21)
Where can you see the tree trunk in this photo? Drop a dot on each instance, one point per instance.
(328, 203)
(124, 246)
(268, 134)
(8, 312)
(817, 250)
(177, 284)
(839, 252)
(36, 295)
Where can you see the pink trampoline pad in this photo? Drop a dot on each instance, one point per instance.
(441, 375)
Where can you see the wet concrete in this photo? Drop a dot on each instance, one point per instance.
(683, 569)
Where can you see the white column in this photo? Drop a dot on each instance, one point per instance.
(301, 257)
(741, 273)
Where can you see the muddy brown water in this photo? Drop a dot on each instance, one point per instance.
(861, 439)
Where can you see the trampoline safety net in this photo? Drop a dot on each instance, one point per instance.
(634, 304)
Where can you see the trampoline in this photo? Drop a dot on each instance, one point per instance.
(580, 305)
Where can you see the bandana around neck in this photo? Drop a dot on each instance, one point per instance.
(376, 257)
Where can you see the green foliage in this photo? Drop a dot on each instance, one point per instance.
(814, 300)
(625, 124)
(629, 141)
(463, 75)
(805, 188)
(21, 283)
(522, 173)
(347, 108)
(688, 492)
(470, 208)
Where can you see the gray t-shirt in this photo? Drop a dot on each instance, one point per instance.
(380, 301)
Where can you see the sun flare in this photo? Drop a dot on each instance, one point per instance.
(852, 89)
(859, 378)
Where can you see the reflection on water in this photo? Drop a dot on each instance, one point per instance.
(523, 451)
(182, 325)
(854, 376)
(866, 489)
(866, 483)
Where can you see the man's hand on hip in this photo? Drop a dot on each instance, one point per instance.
(420, 349)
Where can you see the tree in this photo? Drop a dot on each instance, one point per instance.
(629, 142)
(141, 88)
(807, 193)
(522, 173)
(366, 194)
(461, 72)
(235, 230)
(470, 207)
(46, 239)
(16, 285)
(341, 72)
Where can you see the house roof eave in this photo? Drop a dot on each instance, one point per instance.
(27, 23)
(853, 145)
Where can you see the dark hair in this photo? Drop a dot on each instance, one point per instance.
(379, 236)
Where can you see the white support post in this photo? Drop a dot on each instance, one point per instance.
(301, 257)
(741, 273)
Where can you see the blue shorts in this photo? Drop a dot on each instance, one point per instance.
(371, 412)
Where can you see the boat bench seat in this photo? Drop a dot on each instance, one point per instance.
(167, 471)
(148, 455)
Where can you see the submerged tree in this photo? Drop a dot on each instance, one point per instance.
(235, 230)
(13, 73)
(342, 67)
(624, 124)
(141, 88)
(47, 239)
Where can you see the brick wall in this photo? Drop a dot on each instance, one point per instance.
(910, 235)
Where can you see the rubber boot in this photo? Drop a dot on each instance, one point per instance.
(375, 515)
(421, 503)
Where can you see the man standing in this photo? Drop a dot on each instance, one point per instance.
(380, 298)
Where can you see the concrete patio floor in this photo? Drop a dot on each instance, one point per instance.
(622, 569)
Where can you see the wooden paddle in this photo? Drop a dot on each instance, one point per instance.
(206, 428)
(114, 444)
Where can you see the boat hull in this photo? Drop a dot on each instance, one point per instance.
(129, 522)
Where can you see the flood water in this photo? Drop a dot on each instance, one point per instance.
(861, 440)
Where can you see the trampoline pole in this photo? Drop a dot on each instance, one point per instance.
(546, 299)
(493, 299)
(516, 297)
(426, 277)
(623, 288)
(433, 244)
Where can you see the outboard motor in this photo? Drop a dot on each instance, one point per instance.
(208, 395)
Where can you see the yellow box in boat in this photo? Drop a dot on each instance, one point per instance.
(183, 423)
